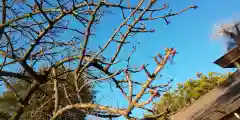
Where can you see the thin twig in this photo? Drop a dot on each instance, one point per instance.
(56, 94)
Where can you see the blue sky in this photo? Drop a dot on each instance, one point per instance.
(190, 33)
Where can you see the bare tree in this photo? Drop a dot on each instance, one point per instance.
(34, 33)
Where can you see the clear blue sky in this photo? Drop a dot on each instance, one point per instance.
(190, 33)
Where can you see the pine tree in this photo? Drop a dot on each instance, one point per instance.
(41, 105)
(188, 92)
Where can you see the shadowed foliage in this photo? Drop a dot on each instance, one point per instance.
(41, 105)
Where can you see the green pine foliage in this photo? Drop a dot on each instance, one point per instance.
(186, 93)
(41, 104)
